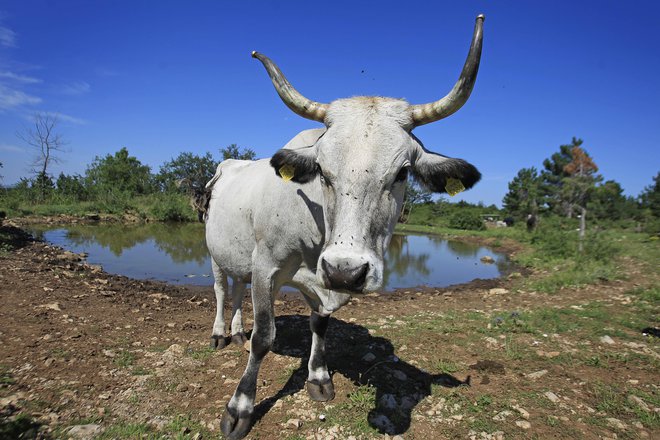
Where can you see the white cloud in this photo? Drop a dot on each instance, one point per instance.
(7, 37)
(11, 148)
(76, 88)
(16, 77)
(11, 98)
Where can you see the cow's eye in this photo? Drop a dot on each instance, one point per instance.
(403, 175)
(324, 180)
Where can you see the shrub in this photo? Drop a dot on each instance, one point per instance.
(466, 220)
(172, 208)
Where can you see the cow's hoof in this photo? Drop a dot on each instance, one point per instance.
(239, 338)
(321, 391)
(234, 426)
(218, 342)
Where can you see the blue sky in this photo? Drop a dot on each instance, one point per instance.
(165, 77)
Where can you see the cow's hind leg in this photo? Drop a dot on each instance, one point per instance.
(237, 332)
(319, 383)
(220, 288)
(237, 418)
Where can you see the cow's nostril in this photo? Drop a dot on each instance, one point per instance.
(346, 278)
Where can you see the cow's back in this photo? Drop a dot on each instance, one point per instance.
(249, 205)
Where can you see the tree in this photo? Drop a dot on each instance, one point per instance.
(72, 187)
(609, 203)
(232, 152)
(47, 143)
(650, 198)
(119, 173)
(524, 194)
(553, 176)
(579, 184)
(187, 173)
(415, 194)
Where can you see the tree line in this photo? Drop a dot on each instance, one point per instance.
(569, 185)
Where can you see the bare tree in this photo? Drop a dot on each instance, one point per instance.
(47, 142)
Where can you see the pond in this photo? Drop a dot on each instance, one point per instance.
(176, 253)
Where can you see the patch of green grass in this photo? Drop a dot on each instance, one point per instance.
(22, 426)
(354, 412)
(201, 354)
(126, 431)
(446, 366)
(552, 421)
(513, 349)
(124, 359)
(594, 361)
(650, 419)
(483, 424)
(183, 427)
(6, 377)
(140, 371)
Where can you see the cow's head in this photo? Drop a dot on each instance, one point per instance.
(363, 160)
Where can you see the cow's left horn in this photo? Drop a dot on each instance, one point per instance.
(434, 111)
(292, 98)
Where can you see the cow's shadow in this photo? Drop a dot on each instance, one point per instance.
(399, 385)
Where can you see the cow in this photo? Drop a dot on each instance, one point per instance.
(319, 215)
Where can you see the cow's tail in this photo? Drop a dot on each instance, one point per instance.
(201, 198)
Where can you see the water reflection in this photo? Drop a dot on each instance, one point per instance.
(177, 253)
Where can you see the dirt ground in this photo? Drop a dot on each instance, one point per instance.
(84, 353)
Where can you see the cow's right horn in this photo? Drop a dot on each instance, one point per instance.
(434, 111)
(292, 98)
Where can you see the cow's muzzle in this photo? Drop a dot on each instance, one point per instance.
(351, 278)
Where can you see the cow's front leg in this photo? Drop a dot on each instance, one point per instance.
(319, 383)
(237, 418)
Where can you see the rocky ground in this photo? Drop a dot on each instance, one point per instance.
(86, 354)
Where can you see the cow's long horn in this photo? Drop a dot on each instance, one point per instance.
(292, 98)
(434, 111)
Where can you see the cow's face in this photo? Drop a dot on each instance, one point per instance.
(363, 161)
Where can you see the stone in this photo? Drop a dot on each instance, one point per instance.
(296, 423)
(388, 401)
(369, 357)
(607, 340)
(400, 375)
(551, 396)
(498, 291)
(84, 432)
(487, 259)
(51, 306)
(175, 350)
(524, 424)
(639, 402)
(501, 416)
(523, 412)
(382, 423)
(536, 375)
(615, 423)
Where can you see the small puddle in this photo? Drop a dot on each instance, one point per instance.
(176, 253)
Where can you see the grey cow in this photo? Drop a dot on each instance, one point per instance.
(319, 215)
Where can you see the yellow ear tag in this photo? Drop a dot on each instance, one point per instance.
(454, 186)
(287, 172)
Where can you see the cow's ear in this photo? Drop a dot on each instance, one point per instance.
(440, 173)
(297, 165)
(436, 172)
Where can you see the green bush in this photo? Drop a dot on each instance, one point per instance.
(466, 220)
(170, 207)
